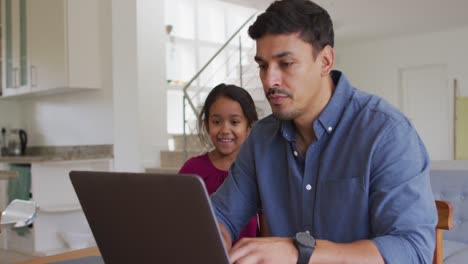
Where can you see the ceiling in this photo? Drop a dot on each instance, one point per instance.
(356, 20)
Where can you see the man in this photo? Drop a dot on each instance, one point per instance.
(341, 175)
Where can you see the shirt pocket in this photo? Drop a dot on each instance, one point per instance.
(341, 191)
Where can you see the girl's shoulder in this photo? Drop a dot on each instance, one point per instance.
(194, 164)
(203, 158)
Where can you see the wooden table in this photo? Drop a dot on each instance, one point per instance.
(75, 254)
(6, 175)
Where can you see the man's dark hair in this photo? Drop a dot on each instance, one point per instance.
(311, 21)
(234, 93)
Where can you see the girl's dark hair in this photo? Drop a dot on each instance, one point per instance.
(311, 21)
(232, 92)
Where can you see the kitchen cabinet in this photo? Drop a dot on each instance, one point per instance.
(59, 209)
(14, 40)
(61, 43)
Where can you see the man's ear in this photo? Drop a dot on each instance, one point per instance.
(327, 60)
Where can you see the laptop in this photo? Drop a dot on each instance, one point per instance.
(150, 218)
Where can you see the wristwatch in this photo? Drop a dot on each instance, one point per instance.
(305, 245)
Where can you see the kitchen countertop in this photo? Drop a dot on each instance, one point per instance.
(61, 153)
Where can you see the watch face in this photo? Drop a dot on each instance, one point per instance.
(305, 239)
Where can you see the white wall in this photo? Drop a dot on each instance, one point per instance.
(83, 118)
(152, 100)
(139, 97)
(9, 114)
(375, 66)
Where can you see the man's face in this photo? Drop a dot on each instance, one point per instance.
(290, 75)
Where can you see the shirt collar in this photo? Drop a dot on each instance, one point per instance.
(288, 130)
(332, 112)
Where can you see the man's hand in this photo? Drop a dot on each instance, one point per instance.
(264, 250)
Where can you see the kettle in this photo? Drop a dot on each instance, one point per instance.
(17, 141)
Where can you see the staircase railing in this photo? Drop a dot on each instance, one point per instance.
(190, 91)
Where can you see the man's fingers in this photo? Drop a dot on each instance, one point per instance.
(249, 259)
(241, 249)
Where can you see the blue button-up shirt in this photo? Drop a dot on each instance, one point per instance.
(366, 176)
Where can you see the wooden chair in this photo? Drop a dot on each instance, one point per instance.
(445, 222)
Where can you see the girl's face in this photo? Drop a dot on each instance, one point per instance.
(227, 126)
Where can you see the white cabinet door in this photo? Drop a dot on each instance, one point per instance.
(46, 44)
(63, 44)
(83, 43)
(51, 186)
(14, 40)
(59, 208)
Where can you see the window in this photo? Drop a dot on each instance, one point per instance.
(197, 30)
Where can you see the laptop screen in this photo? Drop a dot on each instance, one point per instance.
(150, 218)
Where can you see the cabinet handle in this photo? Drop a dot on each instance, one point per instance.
(15, 77)
(33, 73)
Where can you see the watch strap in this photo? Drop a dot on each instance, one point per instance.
(305, 252)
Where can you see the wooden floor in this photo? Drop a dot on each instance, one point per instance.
(10, 257)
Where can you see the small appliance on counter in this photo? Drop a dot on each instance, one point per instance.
(14, 142)
(3, 143)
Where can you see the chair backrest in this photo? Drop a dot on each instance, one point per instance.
(452, 185)
(445, 222)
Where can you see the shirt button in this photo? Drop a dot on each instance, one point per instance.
(308, 187)
(295, 153)
(330, 129)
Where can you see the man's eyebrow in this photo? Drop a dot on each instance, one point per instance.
(276, 56)
(282, 54)
(258, 58)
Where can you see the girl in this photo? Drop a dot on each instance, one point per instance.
(226, 118)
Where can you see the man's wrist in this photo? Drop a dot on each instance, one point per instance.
(227, 241)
